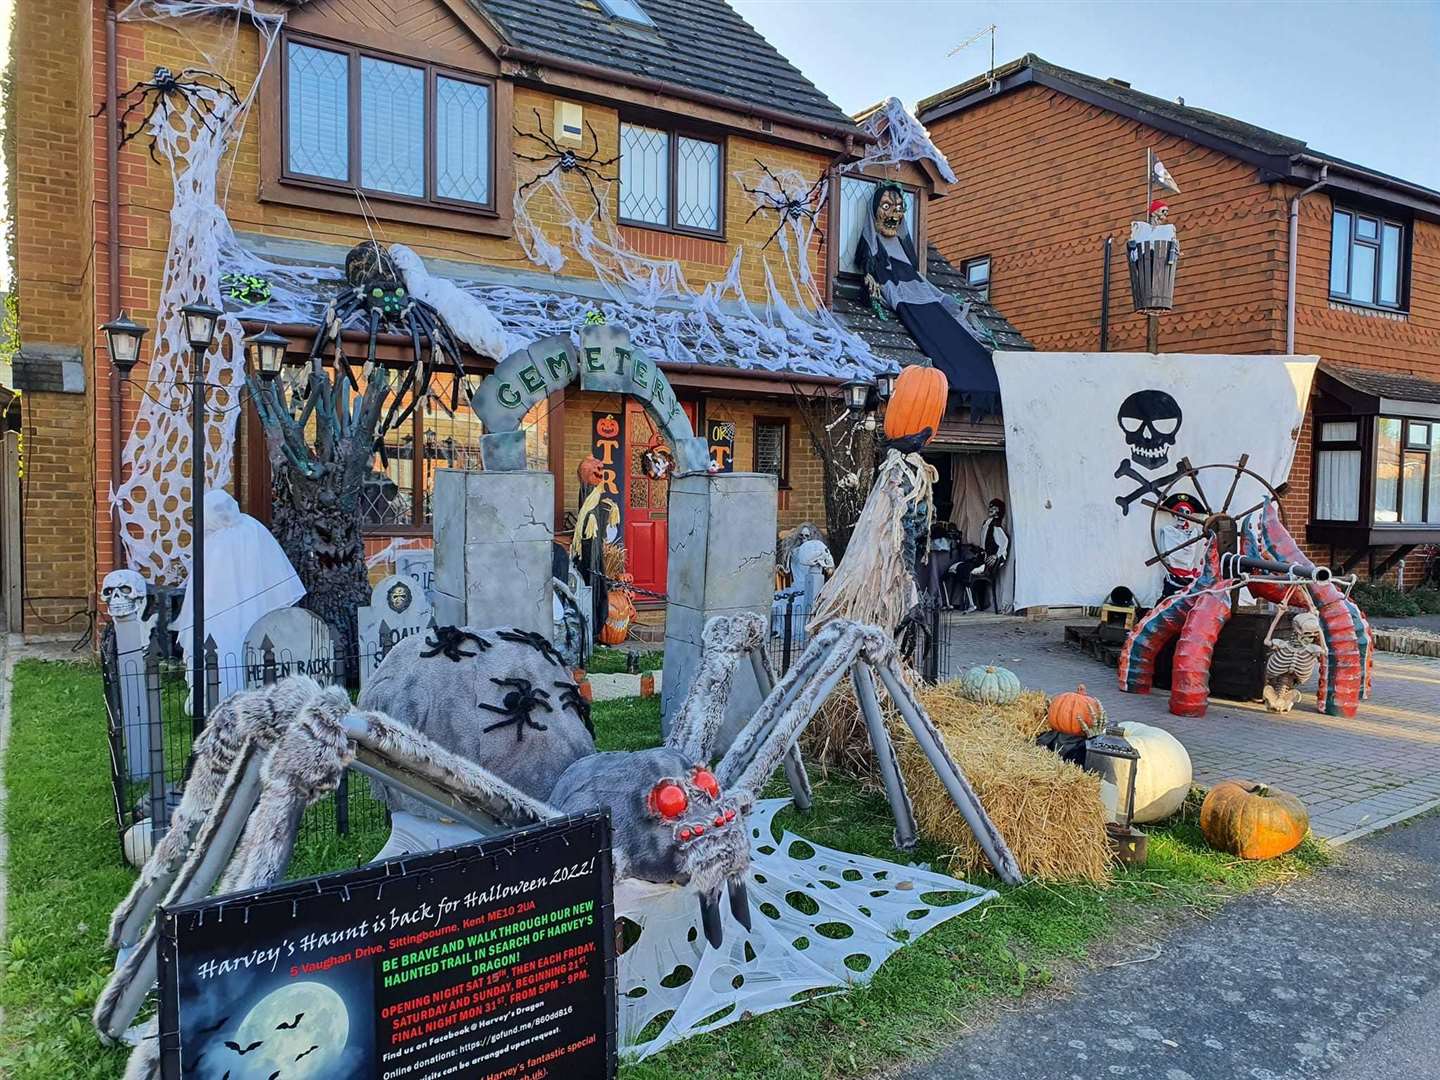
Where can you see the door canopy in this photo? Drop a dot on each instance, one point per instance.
(605, 363)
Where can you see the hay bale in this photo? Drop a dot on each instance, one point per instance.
(1049, 811)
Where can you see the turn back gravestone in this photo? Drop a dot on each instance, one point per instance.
(398, 608)
(290, 641)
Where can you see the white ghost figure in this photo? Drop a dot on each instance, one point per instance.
(246, 576)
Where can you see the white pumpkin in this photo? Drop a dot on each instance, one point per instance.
(137, 843)
(1162, 778)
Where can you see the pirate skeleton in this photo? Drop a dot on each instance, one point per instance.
(939, 325)
(1179, 537)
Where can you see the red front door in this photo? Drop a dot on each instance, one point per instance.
(647, 534)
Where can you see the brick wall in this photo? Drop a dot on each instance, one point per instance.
(1044, 178)
(54, 232)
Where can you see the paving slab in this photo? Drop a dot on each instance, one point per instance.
(1339, 971)
(1354, 775)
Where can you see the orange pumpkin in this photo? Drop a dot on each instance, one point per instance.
(590, 471)
(620, 613)
(607, 427)
(1252, 820)
(1077, 713)
(917, 403)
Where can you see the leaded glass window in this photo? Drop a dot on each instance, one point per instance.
(392, 127)
(697, 184)
(644, 174)
(462, 147)
(319, 112)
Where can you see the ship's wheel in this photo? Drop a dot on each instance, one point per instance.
(1217, 524)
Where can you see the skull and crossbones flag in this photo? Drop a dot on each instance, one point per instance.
(1094, 440)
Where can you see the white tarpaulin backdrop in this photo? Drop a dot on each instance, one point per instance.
(1075, 420)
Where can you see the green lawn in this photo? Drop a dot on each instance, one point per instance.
(66, 875)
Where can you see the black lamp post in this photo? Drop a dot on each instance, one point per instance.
(200, 320)
(267, 353)
(123, 336)
(857, 396)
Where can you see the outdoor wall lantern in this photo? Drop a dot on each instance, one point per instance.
(1127, 842)
(267, 353)
(885, 385)
(857, 396)
(123, 336)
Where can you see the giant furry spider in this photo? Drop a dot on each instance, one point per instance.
(787, 207)
(202, 90)
(567, 160)
(375, 297)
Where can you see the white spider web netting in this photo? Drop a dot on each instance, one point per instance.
(191, 135)
(899, 137)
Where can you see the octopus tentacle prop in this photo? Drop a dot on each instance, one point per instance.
(269, 753)
(1261, 555)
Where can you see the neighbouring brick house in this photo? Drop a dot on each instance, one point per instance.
(678, 96)
(1052, 162)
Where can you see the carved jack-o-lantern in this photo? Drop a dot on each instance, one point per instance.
(607, 427)
(590, 472)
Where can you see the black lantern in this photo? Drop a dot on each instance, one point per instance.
(857, 396)
(200, 320)
(122, 337)
(885, 385)
(1128, 843)
(267, 353)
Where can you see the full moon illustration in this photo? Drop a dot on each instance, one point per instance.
(324, 1024)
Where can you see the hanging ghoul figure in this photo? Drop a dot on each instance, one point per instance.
(939, 325)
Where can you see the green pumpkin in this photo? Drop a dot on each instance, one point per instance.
(990, 685)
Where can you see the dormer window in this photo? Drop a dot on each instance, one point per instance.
(856, 193)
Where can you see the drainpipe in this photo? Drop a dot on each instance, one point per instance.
(1294, 241)
(112, 255)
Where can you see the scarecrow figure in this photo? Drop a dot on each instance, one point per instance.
(939, 325)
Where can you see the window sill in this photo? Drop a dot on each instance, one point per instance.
(1373, 311)
(481, 222)
(667, 230)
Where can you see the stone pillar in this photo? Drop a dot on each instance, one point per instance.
(722, 562)
(493, 536)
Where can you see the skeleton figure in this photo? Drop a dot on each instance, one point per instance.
(1291, 662)
(677, 818)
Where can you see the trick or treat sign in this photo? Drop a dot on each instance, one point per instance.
(607, 444)
(1093, 441)
(720, 435)
(488, 961)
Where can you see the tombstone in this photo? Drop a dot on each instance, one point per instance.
(124, 594)
(722, 562)
(419, 566)
(398, 608)
(290, 641)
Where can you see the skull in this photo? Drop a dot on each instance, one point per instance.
(1150, 420)
(123, 592)
(1306, 626)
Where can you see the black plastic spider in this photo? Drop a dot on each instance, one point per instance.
(571, 698)
(787, 207)
(202, 90)
(517, 705)
(449, 641)
(536, 641)
(567, 160)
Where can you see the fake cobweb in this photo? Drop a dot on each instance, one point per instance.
(823, 922)
(899, 138)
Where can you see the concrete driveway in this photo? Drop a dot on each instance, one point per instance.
(1354, 775)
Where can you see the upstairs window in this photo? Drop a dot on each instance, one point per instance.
(399, 130)
(977, 275)
(670, 181)
(856, 193)
(1368, 259)
(627, 10)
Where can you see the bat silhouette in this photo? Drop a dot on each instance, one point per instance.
(273, 1075)
(307, 1053)
(236, 1047)
(218, 1025)
(282, 1026)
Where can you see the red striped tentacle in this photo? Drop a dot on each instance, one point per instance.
(1190, 673)
(1136, 670)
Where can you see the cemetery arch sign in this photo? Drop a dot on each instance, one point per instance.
(605, 363)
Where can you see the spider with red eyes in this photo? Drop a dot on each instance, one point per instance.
(670, 801)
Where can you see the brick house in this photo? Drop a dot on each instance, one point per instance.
(421, 124)
(1052, 162)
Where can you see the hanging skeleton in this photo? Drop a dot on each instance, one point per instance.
(321, 480)
(1291, 661)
